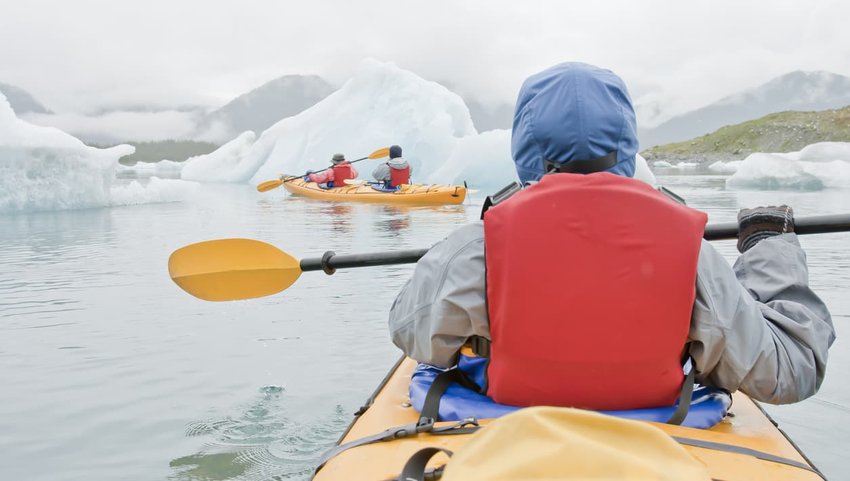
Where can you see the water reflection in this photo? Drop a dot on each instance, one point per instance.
(392, 220)
(338, 216)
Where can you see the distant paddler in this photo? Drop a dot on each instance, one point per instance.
(336, 175)
(395, 171)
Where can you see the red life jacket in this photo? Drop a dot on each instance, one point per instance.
(399, 176)
(341, 172)
(590, 288)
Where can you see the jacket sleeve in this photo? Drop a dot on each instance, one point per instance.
(444, 302)
(354, 172)
(381, 172)
(760, 328)
(322, 177)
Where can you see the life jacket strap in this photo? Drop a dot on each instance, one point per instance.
(502, 195)
(685, 395)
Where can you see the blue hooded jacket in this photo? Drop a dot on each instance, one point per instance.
(573, 112)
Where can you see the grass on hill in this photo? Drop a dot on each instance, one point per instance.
(778, 132)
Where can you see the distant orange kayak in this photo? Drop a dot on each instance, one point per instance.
(407, 194)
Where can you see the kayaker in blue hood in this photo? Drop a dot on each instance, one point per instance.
(573, 113)
(757, 327)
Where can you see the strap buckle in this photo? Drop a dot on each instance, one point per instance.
(424, 425)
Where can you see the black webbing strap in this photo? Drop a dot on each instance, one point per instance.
(685, 395)
(480, 346)
(731, 448)
(581, 166)
(466, 426)
(431, 406)
(414, 468)
(396, 432)
(429, 415)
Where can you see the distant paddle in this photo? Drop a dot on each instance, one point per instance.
(273, 184)
(357, 182)
(231, 269)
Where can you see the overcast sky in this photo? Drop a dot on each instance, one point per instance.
(77, 56)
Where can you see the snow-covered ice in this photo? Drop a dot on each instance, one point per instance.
(722, 167)
(817, 166)
(155, 190)
(43, 168)
(221, 165)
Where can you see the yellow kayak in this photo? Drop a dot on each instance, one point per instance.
(409, 194)
(745, 446)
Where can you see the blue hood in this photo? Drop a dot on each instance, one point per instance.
(573, 112)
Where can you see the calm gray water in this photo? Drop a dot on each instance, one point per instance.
(108, 371)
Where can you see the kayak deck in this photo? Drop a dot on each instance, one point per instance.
(748, 427)
(417, 194)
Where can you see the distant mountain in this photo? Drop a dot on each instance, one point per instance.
(800, 91)
(21, 100)
(778, 132)
(264, 106)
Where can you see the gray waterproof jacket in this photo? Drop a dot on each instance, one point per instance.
(382, 171)
(757, 327)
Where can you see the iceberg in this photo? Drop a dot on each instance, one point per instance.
(815, 167)
(722, 167)
(43, 168)
(380, 106)
(221, 165)
(156, 190)
(483, 160)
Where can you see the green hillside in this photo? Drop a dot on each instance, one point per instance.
(779, 132)
(177, 150)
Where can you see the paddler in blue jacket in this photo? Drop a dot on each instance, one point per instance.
(756, 326)
(395, 171)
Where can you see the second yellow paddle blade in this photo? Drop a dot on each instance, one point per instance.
(231, 269)
(380, 153)
(269, 185)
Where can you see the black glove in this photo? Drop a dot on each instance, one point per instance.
(761, 223)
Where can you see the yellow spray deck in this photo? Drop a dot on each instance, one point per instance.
(408, 194)
(748, 427)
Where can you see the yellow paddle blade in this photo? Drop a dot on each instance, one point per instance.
(231, 269)
(356, 182)
(380, 153)
(269, 185)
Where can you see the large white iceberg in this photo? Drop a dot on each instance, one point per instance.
(43, 168)
(380, 106)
